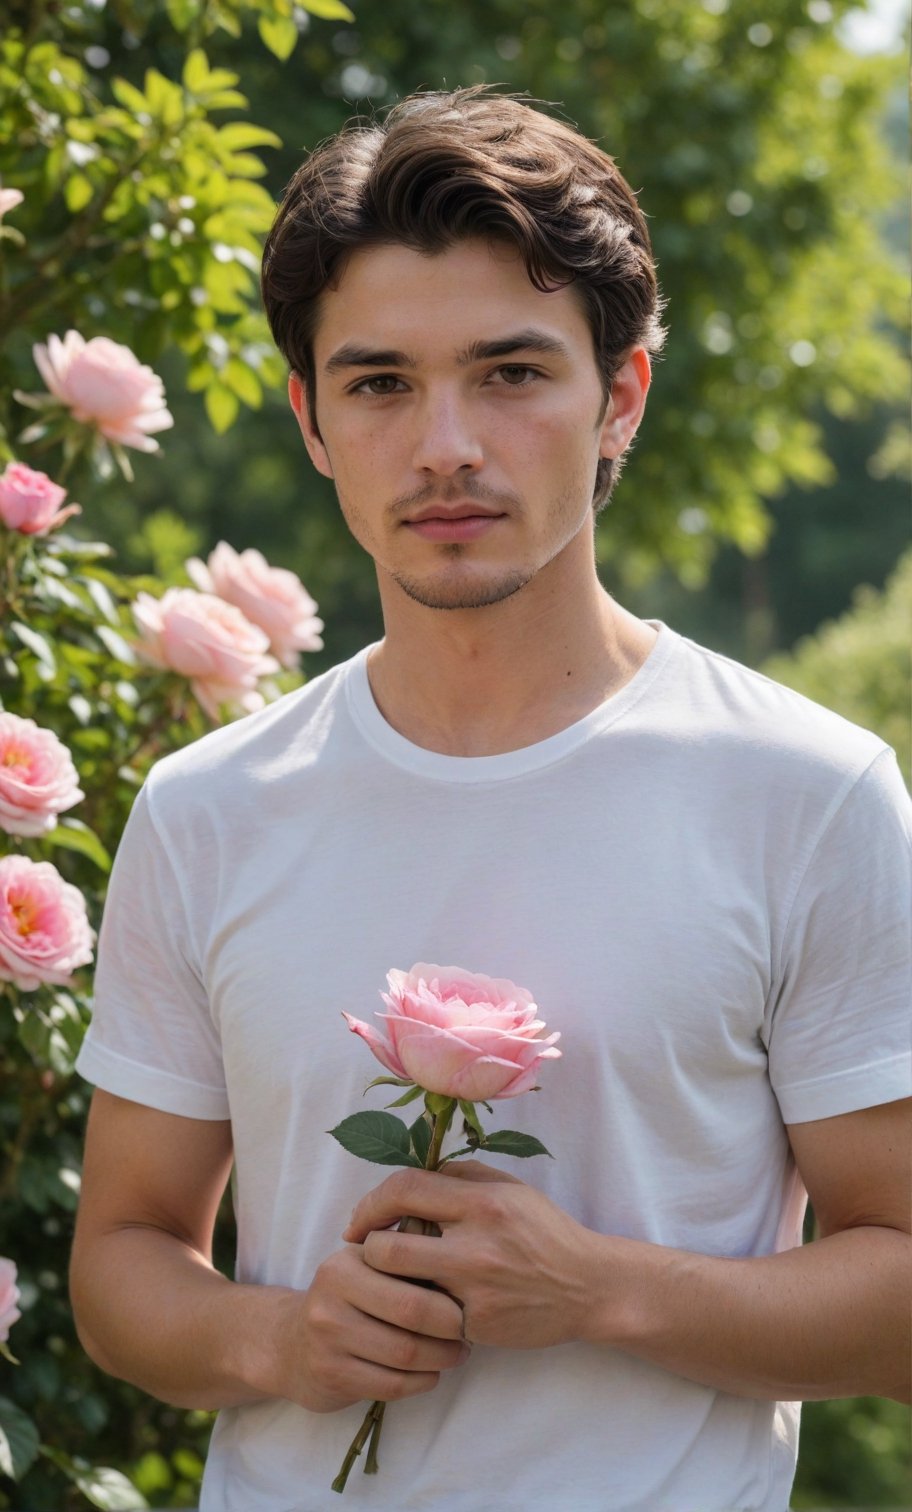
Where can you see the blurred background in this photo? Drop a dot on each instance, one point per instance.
(764, 511)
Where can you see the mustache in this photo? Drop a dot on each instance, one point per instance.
(475, 492)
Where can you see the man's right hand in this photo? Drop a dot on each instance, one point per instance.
(358, 1335)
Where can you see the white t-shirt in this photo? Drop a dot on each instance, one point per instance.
(705, 886)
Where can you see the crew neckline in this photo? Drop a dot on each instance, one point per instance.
(525, 759)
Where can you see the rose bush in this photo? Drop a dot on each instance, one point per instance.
(459, 1033)
(30, 502)
(37, 777)
(44, 928)
(271, 597)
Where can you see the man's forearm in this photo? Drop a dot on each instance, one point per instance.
(152, 1311)
(830, 1319)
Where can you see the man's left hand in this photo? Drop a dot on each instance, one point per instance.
(522, 1269)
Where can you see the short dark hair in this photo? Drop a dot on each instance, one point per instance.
(441, 167)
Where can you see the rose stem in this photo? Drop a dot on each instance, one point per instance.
(373, 1421)
(357, 1444)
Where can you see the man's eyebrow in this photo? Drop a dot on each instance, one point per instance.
(530, 340)
(352, 355)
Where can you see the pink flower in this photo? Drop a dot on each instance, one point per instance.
(459, 1033)
(271, 597)
(9, 1296)
(104, 384)
(9, 199)
(30, 502)
(208, 641)
(44, 928)
(37, 777)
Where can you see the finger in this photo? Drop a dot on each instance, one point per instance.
(409, 1256)
(421, 1194)
(389, 1299)
(473, 1170)
(397, 1349)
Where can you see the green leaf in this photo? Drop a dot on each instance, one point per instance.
(280, 37)
(406, 1098)
(120, 649)
(238, 135)
(221, 407)
(73, 835)
(103, 1487)
(182, 14)
(36, 643)
(420, 1135)
(509, 1142)
(328, 10)
(77, 192)
(18, 1440)
(130, 97)
(378, 1137)
(243, 382)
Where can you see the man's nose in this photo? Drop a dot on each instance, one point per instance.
(446, 439)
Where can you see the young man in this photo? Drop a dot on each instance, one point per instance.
(702, 877)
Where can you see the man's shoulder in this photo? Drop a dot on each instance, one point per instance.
(285, 733)
(771, 725)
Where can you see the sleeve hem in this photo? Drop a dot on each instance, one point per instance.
(146, 1084)
(847, 1091)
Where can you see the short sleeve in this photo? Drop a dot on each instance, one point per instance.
(152, 1038)
(837, 1029)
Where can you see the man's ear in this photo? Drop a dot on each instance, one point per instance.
(627, 403)
(297, 397)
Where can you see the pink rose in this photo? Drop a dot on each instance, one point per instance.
(9, 199)
(37, 777)
(44, 928)
(9, 1296)
(208, 641)
(30, 502)
(271, 597)
(104, 384)
(459, 1033)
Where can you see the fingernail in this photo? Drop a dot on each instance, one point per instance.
(464, 1353)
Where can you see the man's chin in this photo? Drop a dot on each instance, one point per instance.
(466, 595)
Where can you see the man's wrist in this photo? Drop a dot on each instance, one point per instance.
(622, 1276)
(254, 1333)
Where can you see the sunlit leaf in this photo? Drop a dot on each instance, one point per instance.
(73, 835)
(279, 36)
(18, 1440)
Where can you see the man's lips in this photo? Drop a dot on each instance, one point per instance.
(454, 527)
(454, 512)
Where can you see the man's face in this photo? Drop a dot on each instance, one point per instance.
(447, 386)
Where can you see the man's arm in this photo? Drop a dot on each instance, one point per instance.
(151, 1309)
(830, 1319)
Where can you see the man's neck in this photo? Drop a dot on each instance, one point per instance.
(484, 681)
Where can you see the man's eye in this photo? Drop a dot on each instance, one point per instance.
(517, 376)
(383, 384)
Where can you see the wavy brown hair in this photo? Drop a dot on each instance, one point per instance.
(441, 167)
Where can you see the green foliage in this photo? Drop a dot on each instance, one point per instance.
(67, 662)
(860, 664)
(854, 1453)
(379, 1137)
(141, 221)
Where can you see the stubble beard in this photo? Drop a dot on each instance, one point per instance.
(461, 596)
